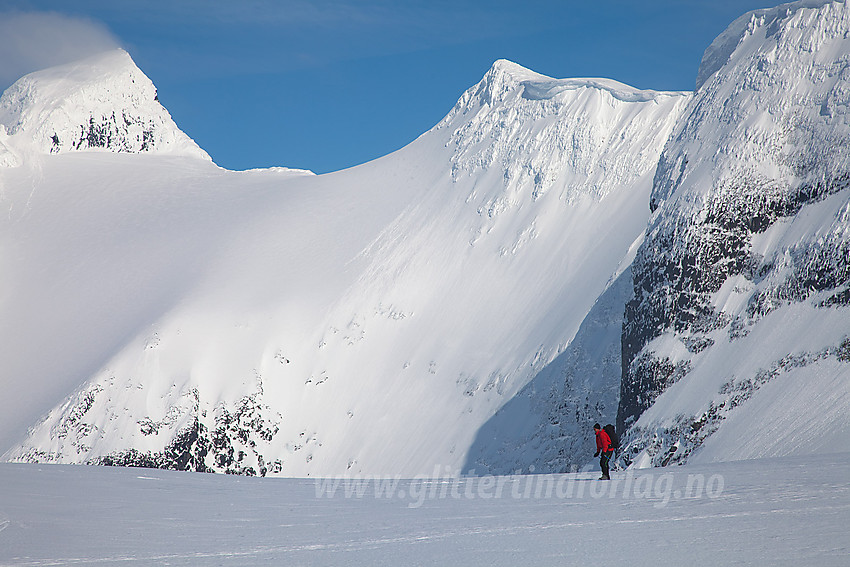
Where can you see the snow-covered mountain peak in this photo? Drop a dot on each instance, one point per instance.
(502, 77)
(531, 129)
(505, 79)
(743, 274)
(103, 102)
(470, 302)
(777, 79)
(770, 19)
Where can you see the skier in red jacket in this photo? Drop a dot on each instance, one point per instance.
(603, 447)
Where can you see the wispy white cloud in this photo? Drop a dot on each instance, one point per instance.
(30, 41)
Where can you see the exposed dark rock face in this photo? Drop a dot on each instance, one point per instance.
(228, 439)
(125, 134)
(229, 445)
(683, 262)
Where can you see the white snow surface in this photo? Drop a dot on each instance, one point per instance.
(378, 316)
(790, 511)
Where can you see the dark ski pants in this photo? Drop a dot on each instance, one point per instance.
(604, 461)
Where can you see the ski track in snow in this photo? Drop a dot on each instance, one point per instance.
(787, 511)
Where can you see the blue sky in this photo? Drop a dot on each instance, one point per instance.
(328, 85)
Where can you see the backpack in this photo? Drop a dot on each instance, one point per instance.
(612, 434)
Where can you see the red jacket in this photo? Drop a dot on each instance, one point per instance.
(603, 442)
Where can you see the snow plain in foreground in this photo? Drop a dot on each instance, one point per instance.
(788, 511)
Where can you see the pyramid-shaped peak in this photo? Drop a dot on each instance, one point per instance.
(103, 102)
(502, 77)
(514, 71)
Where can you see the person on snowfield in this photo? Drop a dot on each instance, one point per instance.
(603, 447)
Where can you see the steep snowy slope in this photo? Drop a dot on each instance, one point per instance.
(545, 428)
(368, 321)
(741, 314)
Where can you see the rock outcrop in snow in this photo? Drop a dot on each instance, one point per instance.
(104, 102)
